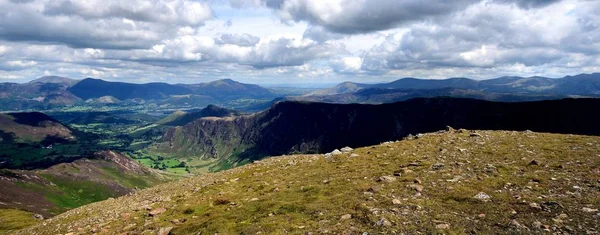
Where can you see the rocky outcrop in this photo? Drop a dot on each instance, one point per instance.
(297, 127)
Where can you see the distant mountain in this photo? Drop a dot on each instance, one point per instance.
(228, 89)
(181, 118)
(38, 94)
(90, 88)
(32, 127)
(55, 80)
(299, 127)
(384, 95)
(579, 85)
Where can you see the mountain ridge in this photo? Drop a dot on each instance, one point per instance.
(305, 127)
(454, 181)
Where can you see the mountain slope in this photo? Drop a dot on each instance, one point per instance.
(455, 182)
(228, 89)
(295, 127)
(33, 127)
(69, 185)
(181, 118)
(579, 85)
(43, 93)
(384, 95)
(68, 82)
(95, 88)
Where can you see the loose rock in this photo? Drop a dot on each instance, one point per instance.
(387, 179)
(482, 196)
(165, 231)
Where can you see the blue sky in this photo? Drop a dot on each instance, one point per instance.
(296, 41)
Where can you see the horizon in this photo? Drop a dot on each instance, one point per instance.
(297, 85)
(295, 41)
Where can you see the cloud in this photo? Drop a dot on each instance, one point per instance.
(178, 12)
(99, 24)
(487, 36)
(243, 40)
(363, 16)
(297, 40)
(530, 3)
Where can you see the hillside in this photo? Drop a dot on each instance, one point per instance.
(42, 93)
(453, 182)
(385, 95)
(296, 127)
(67, 82)
(510, 88)
(65, 186)
(32, 127)
(90, 88)
(180, 118)
(227, 89)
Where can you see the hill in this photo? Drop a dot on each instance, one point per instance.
(385, 95)
(32, 127)
(227, 89)
(42, 93)
(65, 186)
(68, 82)
(297, 127)
(90, 88)
(509, 88)
(454, 182)
(181, 118)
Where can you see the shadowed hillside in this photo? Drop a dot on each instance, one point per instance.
(296, 127)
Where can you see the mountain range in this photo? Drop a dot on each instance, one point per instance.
(301, 127)
(507, 89)
(47, 92)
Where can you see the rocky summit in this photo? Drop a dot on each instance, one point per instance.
(452, 182)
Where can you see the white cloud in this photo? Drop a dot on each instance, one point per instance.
(303, 40)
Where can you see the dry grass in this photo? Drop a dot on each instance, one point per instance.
(310, 193)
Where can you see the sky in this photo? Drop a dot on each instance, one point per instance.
(296, 41)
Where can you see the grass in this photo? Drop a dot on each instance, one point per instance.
(75, 193)
(11, 220)
(310, 193)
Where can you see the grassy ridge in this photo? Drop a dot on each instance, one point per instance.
(535, 182)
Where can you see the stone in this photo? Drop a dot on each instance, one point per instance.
(535, 206)
(336, 152)
(537, 225)
(437, 166)
(442, 226)
(38, 216)
(396, 202)
(165, 231)
(346, 149)
(374, 189)
(157, 211)
(482, 196)
(589, 210)
(346, 217)
(354, 155)
(475, 134)
(384, 222)
(387, 179)
(416, 187)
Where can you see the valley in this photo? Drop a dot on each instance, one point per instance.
(124, 138)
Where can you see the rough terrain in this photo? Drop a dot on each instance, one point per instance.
(452, 182)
